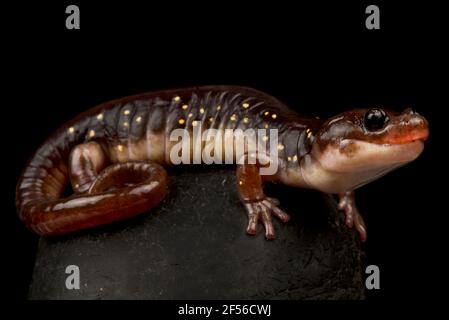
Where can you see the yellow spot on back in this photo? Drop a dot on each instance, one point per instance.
(309, 134)
(100, 116)
(265, 138)
(211, 119)
(280, 146)
(245, 105)
(92, 133)
(202, 110)
(289, 158)
(240, 182)
(177, 98)
(295, 158)
(125, 124)
(181, 121)
(274, 116)
(233, 117)
(138, 119)
(184, 106)
(195, 123)
(218, 107)
(266, 126)
(246, 120)
(126, 112)
(266, 113)
(190, 115)
(71, 130)
(120, 148)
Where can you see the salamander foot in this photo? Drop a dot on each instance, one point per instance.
(263, 210)
(353, 217)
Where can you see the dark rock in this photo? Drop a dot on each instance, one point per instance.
(194, 246)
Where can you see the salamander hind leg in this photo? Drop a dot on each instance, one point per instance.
(353, 217)
(258, 206)
(85, 161)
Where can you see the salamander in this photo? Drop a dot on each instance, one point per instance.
(114, 156)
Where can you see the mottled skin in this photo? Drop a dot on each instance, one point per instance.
(113, 155)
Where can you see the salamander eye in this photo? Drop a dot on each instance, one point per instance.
(375, 119)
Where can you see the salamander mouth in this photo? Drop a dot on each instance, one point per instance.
(414, 136)
(356, 155)
(410, 146)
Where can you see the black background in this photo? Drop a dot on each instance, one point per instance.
(319, 59)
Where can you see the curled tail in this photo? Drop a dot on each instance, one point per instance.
(110, 198)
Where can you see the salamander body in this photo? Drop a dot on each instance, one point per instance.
(114, 155)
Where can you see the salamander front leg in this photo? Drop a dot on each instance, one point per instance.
(258, 206)
(353, 217)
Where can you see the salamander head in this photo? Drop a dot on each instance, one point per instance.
(361, 145)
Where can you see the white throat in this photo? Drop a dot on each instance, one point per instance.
(336, 170)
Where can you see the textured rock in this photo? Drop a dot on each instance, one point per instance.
(194, 246)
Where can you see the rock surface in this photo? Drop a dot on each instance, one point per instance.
(194, 246)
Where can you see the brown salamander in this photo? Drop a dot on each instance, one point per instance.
(114, 155)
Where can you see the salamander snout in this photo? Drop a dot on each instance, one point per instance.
(410, 111)
(410, 126)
